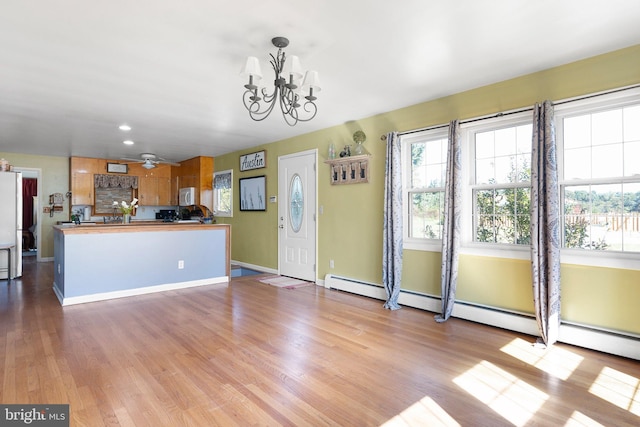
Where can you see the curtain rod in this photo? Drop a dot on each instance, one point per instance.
(521, 110)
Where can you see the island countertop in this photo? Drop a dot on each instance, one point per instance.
(137, 226)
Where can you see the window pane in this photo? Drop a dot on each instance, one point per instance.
(577, 163)
(436, 151)
(632, 158)
(485, 232)
(484, 145)
(606, 127)
(631, 118)
(418, 177)
(426, 215)
(484, 202)
(593, 217)
(417, 154)
(631, 226)
(428, 163)
(503, 216)
(524, 136)
(577, 132)
(505, 142)
(435, 176)
(485, 173)
(505, 169)
(523, 168)
(607, 161)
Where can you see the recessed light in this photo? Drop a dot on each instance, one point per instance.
(128, 142)
(124, 127)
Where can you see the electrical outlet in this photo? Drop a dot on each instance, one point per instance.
(180, 264)
(331, 264)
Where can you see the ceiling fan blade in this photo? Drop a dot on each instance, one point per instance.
(166, 162)
(132, 160)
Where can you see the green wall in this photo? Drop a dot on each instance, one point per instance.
(350, 228)
(55, 179)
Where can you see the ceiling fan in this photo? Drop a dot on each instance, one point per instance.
(149, 161)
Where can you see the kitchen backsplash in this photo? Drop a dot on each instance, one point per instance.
(104, 198)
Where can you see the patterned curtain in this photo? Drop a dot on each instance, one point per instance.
(545, 224)
(115, 181)
(392, 233)
(451, 227)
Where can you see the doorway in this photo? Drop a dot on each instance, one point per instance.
(31, 219)
(297, 190)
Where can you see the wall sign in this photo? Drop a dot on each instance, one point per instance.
(117, 168)
(253, 161)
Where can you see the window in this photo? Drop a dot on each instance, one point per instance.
(425, 169)
(223, 193)
(600, 181)
(501, 181)
(598, 142)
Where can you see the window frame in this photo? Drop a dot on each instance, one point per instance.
(468, 221)
(593, 105)
(216, 195)
(417, 243)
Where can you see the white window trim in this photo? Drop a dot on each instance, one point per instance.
(467, 244)
(413, 243)
(222, 214)
(591, 105)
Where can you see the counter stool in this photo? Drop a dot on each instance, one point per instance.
(8, 247)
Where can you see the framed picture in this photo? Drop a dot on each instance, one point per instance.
(253, 193)
(117, 168)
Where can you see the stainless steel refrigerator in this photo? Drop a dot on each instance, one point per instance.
(11, 221)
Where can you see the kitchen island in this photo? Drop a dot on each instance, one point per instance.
(95, 262)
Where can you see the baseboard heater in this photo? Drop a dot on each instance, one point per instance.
(606, 341)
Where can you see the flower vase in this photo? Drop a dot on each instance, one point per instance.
(126, 218)
(359, 149)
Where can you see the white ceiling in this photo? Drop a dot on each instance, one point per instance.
(71, 71)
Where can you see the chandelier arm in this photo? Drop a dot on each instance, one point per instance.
(288, 100)
(254, 107)
(309, 107)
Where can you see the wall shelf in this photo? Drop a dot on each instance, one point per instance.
(349, 170)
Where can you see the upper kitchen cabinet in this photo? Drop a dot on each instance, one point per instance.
(82, 171)
(154, 185)
(198, 173)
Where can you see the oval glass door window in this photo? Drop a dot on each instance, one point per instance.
(296, 203)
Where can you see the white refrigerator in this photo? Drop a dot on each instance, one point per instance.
(11, 222)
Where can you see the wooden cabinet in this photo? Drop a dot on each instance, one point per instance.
(164, 192)
(82, 189)
(154, 191)
(82, 186)
(197, 173)
(154, 186)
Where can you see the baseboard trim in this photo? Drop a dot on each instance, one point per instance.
(255, 267)
(579, 335)
(217, 281)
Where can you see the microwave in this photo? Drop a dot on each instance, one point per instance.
(187, 196)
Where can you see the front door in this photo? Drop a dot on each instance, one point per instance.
(297, 215)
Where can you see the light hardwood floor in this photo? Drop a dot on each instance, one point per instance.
(253, 354)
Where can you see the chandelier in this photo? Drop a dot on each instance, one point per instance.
(287, 89)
